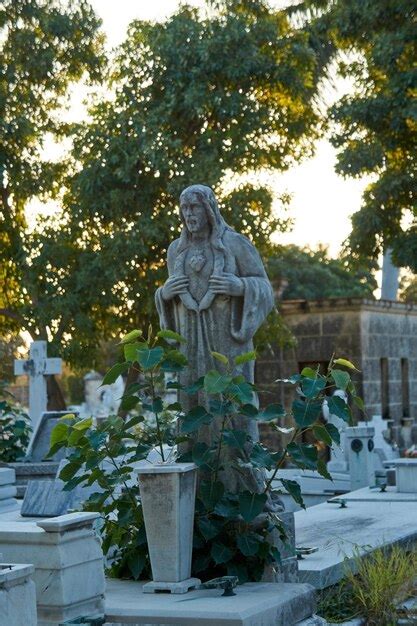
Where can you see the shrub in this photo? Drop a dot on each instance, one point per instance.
(229, 537)
(15, 428)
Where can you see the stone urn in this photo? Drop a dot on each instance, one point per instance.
(168, 499)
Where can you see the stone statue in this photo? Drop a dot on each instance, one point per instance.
(216, 296)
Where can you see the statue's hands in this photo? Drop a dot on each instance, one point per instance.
(227, 285)
(174, 286)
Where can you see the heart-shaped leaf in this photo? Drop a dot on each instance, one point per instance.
(215, 382)
(194, 419)
(113, 374)
(170, 335)
(235, 438)
(294, 490)
(337, 406)
(303, 455)
(221, 553)
(148, 358)
(248, 543)
(251, 504)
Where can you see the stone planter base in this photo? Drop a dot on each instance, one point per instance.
(168, 500)
(181, 587)
(255, 604)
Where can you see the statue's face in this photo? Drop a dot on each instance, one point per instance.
(194, 213)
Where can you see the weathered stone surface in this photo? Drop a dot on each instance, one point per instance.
(339, 533)
(32, 471)
(68, 561)
(406, 470)
(360, 446)
(168, 499)
(263, 604)
(7, 476)
(40, 442)
(8, 490)
(45, 498)
(17, 595)
(216, 296)
(364, 331)
(37, 367)
(390, 494)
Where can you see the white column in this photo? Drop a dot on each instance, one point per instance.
(390, 277)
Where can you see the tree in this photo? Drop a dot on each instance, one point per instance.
(192, 100)
(44, 47)
(312, 274)
(408, 289)
(375, 128)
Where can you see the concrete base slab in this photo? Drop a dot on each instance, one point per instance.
(340, 533)
(181, 587)
(263, 604)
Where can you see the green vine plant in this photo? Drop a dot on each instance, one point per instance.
(229, 537)
(15, 427)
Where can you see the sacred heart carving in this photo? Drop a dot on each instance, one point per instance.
(197, 261)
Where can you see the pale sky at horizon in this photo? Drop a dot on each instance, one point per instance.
(322, 201)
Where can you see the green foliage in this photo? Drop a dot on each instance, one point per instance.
(383, 579)
(191, 99)
(375, 127)
(312, 274)
(373, 589)
(14, 428)
(232, 530)
(408, 289)
(44, 47)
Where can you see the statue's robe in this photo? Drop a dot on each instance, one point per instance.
(211, 322)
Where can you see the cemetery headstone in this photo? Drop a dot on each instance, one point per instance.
(406, 470)
(37, 368)
(360, 446)
(35, 466)
(101, 400)
(47, 498)
(40, 442)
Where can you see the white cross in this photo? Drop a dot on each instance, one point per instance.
(37, 367)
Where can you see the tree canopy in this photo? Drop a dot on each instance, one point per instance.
(301, 273)
(192, 99)
(375, 127)
(43, 49)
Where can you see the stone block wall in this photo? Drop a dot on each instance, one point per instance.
(379, 337)
(389, 359)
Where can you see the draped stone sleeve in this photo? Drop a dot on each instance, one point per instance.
(166, 310)
(252, 308)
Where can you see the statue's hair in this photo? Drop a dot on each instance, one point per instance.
(217, 223)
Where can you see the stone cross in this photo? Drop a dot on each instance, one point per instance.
(37, 367)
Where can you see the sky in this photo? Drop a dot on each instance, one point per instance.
(322, 201)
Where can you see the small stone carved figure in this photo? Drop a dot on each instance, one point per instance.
(216, 296)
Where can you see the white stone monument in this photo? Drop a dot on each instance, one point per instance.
(101, 400)
(17, 595)
(37, 367)
(360, 445)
